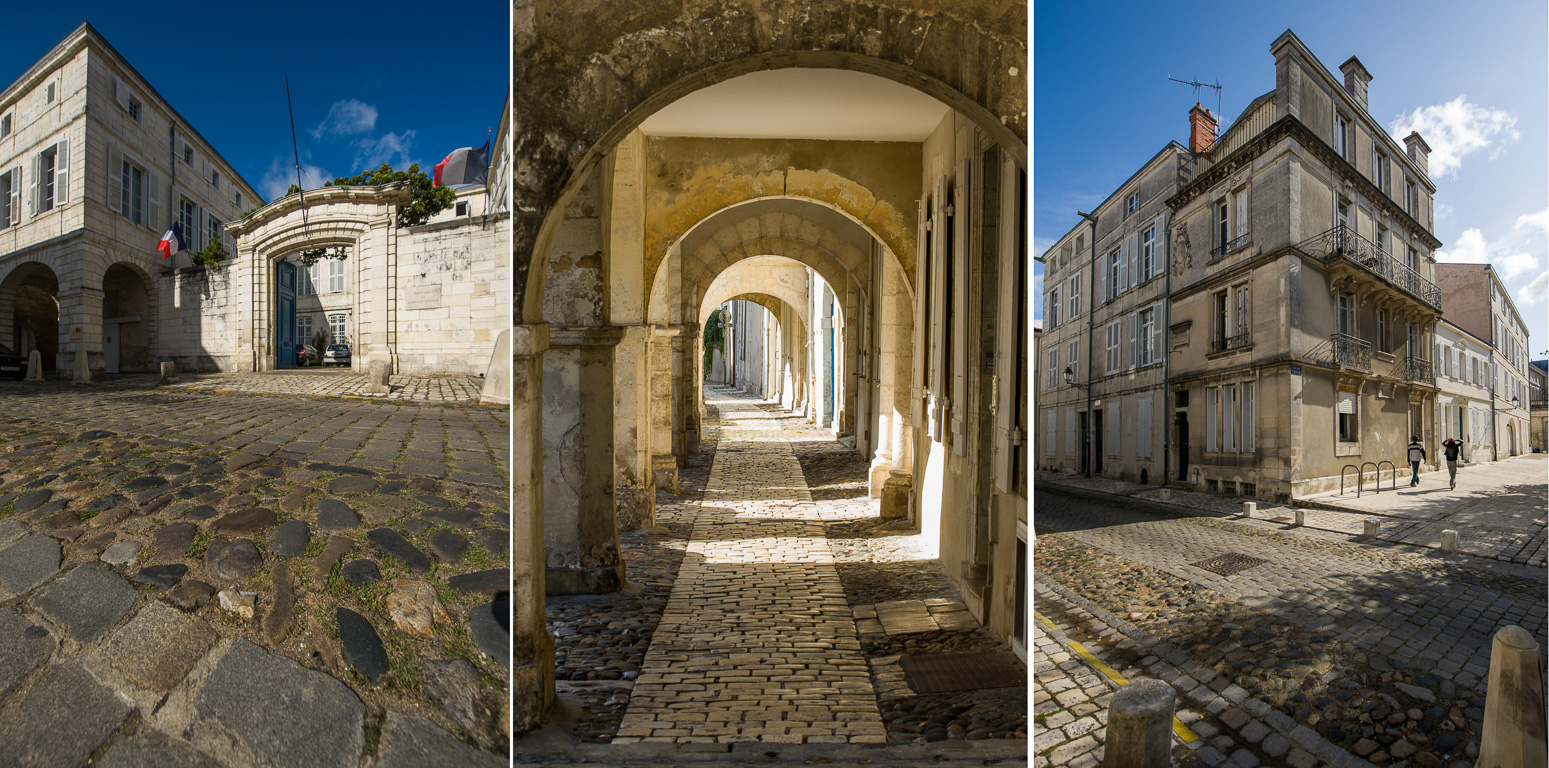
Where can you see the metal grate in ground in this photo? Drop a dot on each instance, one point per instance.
(936, 673)
(1229, 563)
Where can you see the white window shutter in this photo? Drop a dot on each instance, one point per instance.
(153, 220)
(1114, 418)
(16, 195)
(1157, 325)
(34, 189)
(1143, 416)
(1134, 337)
(1070, 431)
(115, 179)
(1242, 213)
(120, 93)
(62, 172)
(1102, 279)
(1118, 290)
(1134, 259)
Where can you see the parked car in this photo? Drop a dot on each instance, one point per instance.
(12, 364)
(306, 355)
(337, 354)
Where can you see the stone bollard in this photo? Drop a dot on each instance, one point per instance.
(1140, 726)
(1514, 707)
(1166, 494)
(82, 370)
(1249, 507)
(1373, 527)
(376, 377)
(1301, 517)
(35, 366)
(1449, 540)
(168, 373)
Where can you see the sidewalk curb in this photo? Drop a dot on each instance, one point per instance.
(1214, 693)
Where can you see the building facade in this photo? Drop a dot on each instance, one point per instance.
(1101, 388)
(1475, 299)
(96, 166)
(1538, 399)
(1463, 404)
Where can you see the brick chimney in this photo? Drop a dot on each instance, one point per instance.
(1419, 151)
(1356, 80)
(1202, 131)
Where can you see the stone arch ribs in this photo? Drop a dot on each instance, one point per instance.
(591, 73)
(138, 339)
(22, 286)
(361, 218)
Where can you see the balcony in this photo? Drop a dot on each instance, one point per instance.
(1240, 242)
(1341, 245)
(1351, 352)
(1415, 369)
(1227, 343)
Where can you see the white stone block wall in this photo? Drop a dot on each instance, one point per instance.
(453, 295)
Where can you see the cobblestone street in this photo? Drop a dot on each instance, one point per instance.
(212, 578)
(337, 382)
(1350, 653)
(755, 637)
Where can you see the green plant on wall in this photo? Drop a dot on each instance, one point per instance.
(213, 254)
(715, 338)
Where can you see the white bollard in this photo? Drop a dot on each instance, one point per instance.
(1166, 494)
(82, 371)
(377, 374)
(1514, 706)
(1373, 527)
(35, 366)
(1449, 540)
(1301, 516)
(168, 373)
(1140, 726)
(1249, 507)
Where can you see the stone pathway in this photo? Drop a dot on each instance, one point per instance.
(341, 382)
(757, 642)
(208, 578)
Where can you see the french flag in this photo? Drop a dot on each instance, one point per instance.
(171, 242)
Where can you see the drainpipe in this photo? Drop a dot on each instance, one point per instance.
(1495, 453)
(1166, 353)
(1091, 314)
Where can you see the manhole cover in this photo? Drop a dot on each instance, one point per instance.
(1229, 563)
(963, 671)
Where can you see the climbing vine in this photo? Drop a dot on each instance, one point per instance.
(715, 338)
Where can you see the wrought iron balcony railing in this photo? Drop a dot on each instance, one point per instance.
(1236, 244)
(1225, 343)
(1415, 369)
(1342, 242)
(1351, 352)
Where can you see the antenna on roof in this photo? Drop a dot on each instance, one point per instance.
(1198, 85)
(301, 190)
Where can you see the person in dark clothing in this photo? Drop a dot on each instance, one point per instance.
(1453, 451)
(1416, 455)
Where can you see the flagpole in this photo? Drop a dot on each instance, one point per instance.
(488, 134)
(300, 190)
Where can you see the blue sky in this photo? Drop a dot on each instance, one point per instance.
(370, 82)
(1473, 82)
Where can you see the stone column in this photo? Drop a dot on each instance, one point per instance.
(580, 532)
(373, 268)
(532, 671)
(634, 488)
(659, 349)
(80, 327)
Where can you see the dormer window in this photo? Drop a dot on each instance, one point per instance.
(1133, 204)
(134, 109)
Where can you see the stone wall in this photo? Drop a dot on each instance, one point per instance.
(454, 294)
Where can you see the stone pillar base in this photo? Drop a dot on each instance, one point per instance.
(895, 497)
(583, 581)
(635, 507)
(881, 470)
(532, 685)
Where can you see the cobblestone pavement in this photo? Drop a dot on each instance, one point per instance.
(757, 642)
(201, 578)
(338, 382)
(1494, 509)
(1379, 653)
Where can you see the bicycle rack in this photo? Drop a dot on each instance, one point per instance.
(1357, 480)
(1392, 475)
(1377, 470)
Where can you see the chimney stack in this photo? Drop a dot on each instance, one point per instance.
(1419, 151)
(1202, 131)
(1356, 80)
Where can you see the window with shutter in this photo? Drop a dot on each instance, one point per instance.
(1112, 421)
(1229, 418)
(1074, 355)
(1242, 212)
(1143, 415)
(1049, 416)
(1158, 324)
(1249, 443)
(61, 173)
(1134, 259)
(1348, 414)
(1113, 347)
(1070, 431)
(1242, 311)
(1053, 379)
(6, 208)
(1210, 418)
(1134, 339)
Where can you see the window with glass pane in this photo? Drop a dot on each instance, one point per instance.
(1148, 254)
(336, 329)
(1348, 424)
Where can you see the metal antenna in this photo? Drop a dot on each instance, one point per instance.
(1198, 85)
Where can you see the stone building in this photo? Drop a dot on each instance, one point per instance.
(96, 166)
(644, 205)
(1299, 299)
(1476, 300)
(1538, 399)
(1101, 387)
(1463, 404)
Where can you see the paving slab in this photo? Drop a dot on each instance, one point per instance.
(24, 646)
(60, 720)
(409, 741)
(28, 563)
(157, 648)
(86, 602)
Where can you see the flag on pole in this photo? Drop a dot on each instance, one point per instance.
(469, 165)
(171, 242)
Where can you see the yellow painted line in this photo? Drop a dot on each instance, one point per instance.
(1188, 736)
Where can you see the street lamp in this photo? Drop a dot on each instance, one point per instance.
(1070, 378)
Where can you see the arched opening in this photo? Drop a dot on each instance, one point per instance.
(128, 322)
(29, 312)
(622, 229)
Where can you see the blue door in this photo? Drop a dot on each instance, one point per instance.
(285, 314)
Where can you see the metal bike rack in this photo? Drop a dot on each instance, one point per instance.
(1357, 480)
(1392, 475)
(1375, 469)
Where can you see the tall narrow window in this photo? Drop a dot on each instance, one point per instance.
(1347, 314)
(1054, 368)
(1054, 307)
(1249, 445)
(1409, 197)
(8, 188)
(1073, 354)
(337, 330)
(1148, 254)
(1380, 170)
(1382, 330)
(304, 327)
(1241, 309)
(1412, 345)
(1347, 408)
(1221, 231)
(1211, 418)
(1073, 287)
(336, 280)
(46, 179)
(1115, 275)
(1342, 136)
(185, 213)
(1147, 334)
(1229, 418)
(1113, 347)
(1220, 328)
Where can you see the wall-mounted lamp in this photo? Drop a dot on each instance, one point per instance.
(1070, 378)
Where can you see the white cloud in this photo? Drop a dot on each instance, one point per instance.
(347, 118)
(1515, 265)
(1443, 211)
(1536, 291)
(1539, 220)
(1469, 249)
(390, 148)
(1457, 129)
(282, 174)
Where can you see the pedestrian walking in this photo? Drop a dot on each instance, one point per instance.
(1452, 449)
(1416, 455)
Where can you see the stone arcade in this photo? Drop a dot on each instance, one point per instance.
(905, 255)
